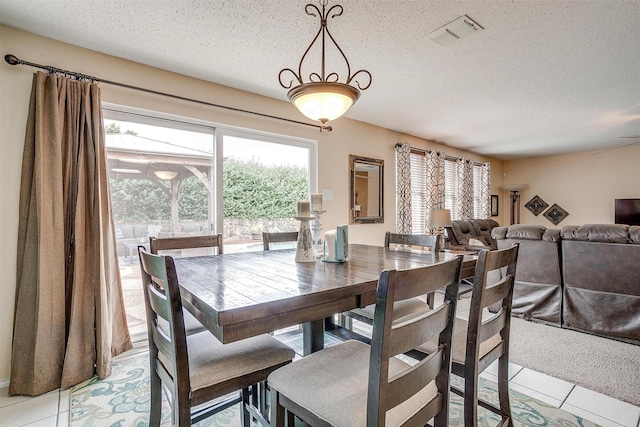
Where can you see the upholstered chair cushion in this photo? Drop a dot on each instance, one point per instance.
(342, 372)
(211, 363)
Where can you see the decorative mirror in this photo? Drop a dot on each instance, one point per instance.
(366, 194)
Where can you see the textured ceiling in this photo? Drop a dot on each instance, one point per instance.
(543, 77)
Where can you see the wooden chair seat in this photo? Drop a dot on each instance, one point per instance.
(219, 369)
(343, 372)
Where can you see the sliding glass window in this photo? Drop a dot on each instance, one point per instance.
(173, 176)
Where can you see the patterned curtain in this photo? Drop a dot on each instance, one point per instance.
(403, 187)
(434, 161)
(485, 190)
(464, 170)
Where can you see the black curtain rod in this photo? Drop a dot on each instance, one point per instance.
(14, 60)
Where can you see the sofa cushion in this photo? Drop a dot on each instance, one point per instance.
(463, 230)
(483, 229)
(604, 233)
(551, 235)
(499, 233)
(526, 232)
(634, 234)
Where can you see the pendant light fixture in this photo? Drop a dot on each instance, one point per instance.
(324, 97)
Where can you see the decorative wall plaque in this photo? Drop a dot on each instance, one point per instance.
(556, 214)
(536, 205)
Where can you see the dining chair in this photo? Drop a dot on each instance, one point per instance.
(404, 307)
(353, 384)
(278, 237)
(157, 244)
(484, 337)
(198, 368)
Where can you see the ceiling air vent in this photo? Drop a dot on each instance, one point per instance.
(455, 30)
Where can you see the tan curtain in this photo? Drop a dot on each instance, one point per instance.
(69, 314)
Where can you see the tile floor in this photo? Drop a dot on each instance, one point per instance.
(52, 409)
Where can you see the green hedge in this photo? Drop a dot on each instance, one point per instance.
(251, 190)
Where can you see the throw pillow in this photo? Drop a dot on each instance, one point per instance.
(476, 242)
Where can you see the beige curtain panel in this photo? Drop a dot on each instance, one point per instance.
(69, 314)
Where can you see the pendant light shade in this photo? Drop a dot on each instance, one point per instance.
(166, 175)
(323, 97)
(323, 101)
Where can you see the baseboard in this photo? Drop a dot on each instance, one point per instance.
(4, 382)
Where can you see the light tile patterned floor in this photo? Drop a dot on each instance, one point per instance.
(52, 409)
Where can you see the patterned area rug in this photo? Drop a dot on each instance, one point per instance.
(122, 400)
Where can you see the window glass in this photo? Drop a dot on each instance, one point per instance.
(173, 177)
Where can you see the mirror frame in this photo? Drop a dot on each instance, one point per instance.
(353, 161)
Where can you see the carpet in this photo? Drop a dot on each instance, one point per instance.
(122, 400)
(600, 364)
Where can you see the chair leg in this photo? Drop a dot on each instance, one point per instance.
(156, 399)
(245, 415)
(471, 401)
(276, 411)
(503, 390)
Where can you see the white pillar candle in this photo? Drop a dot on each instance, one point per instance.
(330, 245)
(316, 202)
(304, 208)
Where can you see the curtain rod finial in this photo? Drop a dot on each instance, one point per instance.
(12, 59)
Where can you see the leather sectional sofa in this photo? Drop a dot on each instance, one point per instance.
(585, 278)
(461, 232)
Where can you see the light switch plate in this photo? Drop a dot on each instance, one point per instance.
(327, 193)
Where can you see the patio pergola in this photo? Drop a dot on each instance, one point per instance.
(134, 157)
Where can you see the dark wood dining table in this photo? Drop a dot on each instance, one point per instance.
(240, 295)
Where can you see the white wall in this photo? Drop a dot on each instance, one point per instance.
(348, 137)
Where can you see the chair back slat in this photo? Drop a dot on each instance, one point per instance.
(491, 356)
(424, 240)
(492, 326)
(497, 291)
(278, 237)
(391, 338)
(158, 302)
(414, 330)
(414, 282)
(157, 244)
(428, 412)
(411, 381)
